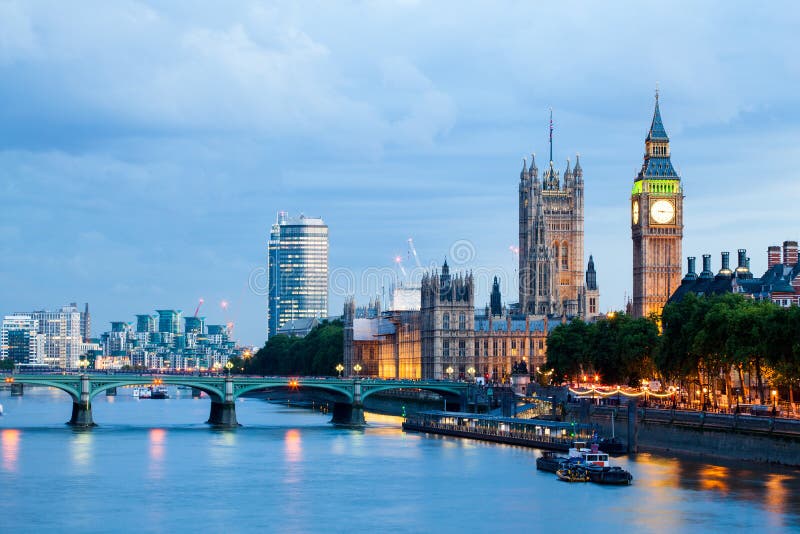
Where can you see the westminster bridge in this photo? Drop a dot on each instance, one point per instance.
(348, 394)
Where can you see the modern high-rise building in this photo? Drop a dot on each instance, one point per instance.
(169, 321)
(62, 335)
(298, 270)
(21, 341)
(656, 224)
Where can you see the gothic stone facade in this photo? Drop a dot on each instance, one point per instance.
(551, 241)
(445, 338)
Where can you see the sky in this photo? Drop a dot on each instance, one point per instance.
(146, 147)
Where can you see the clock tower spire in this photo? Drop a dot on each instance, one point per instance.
(656, 223)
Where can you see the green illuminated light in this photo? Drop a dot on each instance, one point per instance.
(657, 187)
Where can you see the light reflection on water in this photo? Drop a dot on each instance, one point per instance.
(289, 469)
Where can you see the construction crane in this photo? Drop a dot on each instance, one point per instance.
(414, 252)
(197, 309)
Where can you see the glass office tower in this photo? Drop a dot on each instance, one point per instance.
(298, 270)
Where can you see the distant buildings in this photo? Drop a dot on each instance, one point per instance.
(298, 270)
(158, 342)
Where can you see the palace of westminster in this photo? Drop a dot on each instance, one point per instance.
(438, 333)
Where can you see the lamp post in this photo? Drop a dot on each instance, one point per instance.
(774, 393)
(705, 398)
(357, 369)
(471, 372)
(340, 368)
(83, 364)
(229, 366)
(449, 372)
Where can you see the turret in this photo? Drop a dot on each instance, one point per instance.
(568, 177)
(578, 169)
(523, 175)
(533, 171)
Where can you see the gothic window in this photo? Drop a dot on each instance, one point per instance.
(462, 349)
(485, 348)
(477, 348)
(564, 255)
(494, 347)
(446, 349)
(555, 251)
(446, 321)
(462, 322)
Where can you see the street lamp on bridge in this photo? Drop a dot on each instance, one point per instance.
(229, 366)
(357, 368)
(340, 368)
(449, 372)
(471, 371)
(83, 364)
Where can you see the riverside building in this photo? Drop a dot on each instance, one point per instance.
(298, 270)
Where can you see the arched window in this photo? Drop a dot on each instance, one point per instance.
(555, 251)
(446, 321)
(564, 255)
(462, 322)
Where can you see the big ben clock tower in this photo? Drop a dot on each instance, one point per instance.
(656, 224)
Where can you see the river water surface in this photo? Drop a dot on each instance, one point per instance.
(153, 466)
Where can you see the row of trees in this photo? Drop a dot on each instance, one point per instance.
(318, 353)
(619, 349)
(703, 340)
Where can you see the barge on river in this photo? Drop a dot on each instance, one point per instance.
(538, 433)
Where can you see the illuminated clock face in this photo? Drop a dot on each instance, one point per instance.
(635, 212)
(662, 211)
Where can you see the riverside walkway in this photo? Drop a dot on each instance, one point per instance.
(348, 394)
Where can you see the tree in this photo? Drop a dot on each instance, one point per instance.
(315, 354)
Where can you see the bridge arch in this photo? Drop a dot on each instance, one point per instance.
(72, 389)
(241, 390)
(444, 391)
(216, 394)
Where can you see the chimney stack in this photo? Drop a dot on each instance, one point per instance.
(790, 253)
(690, 274)
(725, 271)
(706, 267)
(773, 256)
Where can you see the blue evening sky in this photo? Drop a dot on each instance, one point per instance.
(146, 147)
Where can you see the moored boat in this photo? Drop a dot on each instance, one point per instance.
(588, 456)
(550, 461)
(609, 475)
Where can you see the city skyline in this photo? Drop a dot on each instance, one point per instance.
(136, 199)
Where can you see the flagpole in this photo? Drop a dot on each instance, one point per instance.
(551, 135)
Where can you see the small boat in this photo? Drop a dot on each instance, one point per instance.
(573, 473)
(550, 461)
(608, 475)
(142, 393)
(159, 392)
(1, 409)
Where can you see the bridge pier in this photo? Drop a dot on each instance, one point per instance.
(16, 390)
(223, 414)
(82, 408)
(346, 414)
(350, 414)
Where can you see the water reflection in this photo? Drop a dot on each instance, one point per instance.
(9, 439)
(223, 448)
(157, 440)
(292, 445)
(81, 448)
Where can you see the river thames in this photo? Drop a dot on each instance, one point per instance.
(154, 466)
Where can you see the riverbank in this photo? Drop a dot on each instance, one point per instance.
(700, 434)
